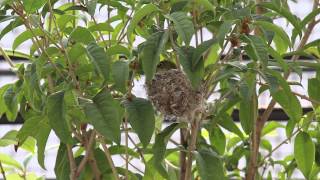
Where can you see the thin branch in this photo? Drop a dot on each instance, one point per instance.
(306, 98)
(109, 159)
(278, 146)
(138, 149)
(3, 172)
(6, 58)
(88, 146)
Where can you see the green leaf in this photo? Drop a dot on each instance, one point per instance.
(160, 146)
(26, 35)
(91, 6)
(120, 75)
(210, 165)
(8, 139)
(271, 126)
(247, 114)
(248, 111)
(196, 74)
(200, 50)
(226, 122)
(62, 167)
(256, 49)
(151, 51)
(81, 35)
(314, 43)
(283, 12)
(100, 60)
(304, 153)
(223, 31)
(12, 25)
(3, 107)
(313, 90)
(118, 49)
(206, 4)
(141, 118)
(8, 160)
(276, 29)
(101, 27)
(37, 127)
(138, 16)
(281, 93)
(30, 6)
(105, 114)
(218, 140)
(10, 98)
(183, 25)
(56, 114)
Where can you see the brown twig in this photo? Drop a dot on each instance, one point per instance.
(88, 145)
(279, 145)
(72, 163)
(110, 161)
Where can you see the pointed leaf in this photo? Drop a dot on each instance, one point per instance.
(304, 153)
(200, 50)
(120, 75)
(160, 146)
(31, 6)
(81, 35)
(210, 166)
(151, 51)
(105, 114)
(183, 25)
(57, 117)
(196, 74)
(100, 60)
(138, 16)
(141, 118)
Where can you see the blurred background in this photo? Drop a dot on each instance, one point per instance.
(300, 8)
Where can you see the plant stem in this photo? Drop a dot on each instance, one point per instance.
(279, 145)
(72, 162)
(88, 145)
(192, 146)
(3, 172)
(109, 159)
(6, 57)
(183, 155)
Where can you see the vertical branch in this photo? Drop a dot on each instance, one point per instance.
(72, 162)
(183, 154)
(192, 145)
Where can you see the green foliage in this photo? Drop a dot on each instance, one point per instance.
(304, 153)
(81, 72)
(141, 118)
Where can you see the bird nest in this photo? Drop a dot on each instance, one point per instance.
(172, 94)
